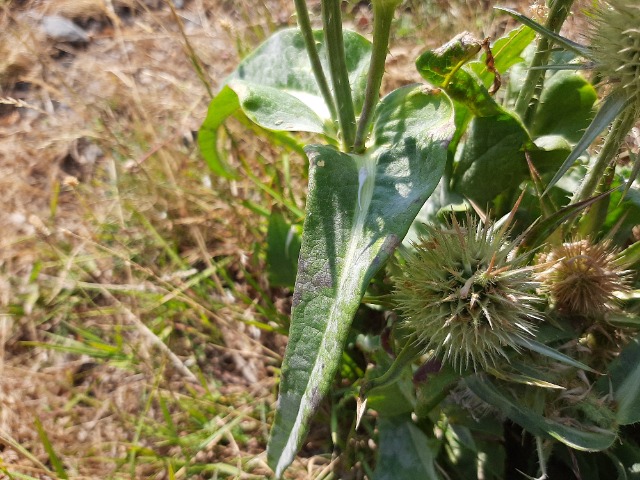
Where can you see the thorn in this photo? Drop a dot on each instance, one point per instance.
(361, 407)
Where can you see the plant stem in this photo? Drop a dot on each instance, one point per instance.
(408, 354)
(615, 137)
(310, 43)
(332, 23)
(535, 77)
(382, 17)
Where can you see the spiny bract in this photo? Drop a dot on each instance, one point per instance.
(463, 295)
(615, 42)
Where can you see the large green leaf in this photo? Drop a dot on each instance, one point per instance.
(404, 451)
(536, 424)
(275, 88)
(492, 158)
(566, 107)
(359, 208)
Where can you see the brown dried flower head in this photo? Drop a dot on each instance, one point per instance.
(582, 278)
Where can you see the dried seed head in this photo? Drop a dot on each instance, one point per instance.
(462, 295)
(615, 40)
(581, 278)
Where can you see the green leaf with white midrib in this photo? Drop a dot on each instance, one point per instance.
(275, 88)
(358, 209)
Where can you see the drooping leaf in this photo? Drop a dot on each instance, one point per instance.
(536, 424)
(359, 208)
(275, 88)
(223, 105)
(404, 451)
(282, 63)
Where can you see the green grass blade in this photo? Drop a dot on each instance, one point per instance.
(53, 457)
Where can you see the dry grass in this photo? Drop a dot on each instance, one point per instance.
(118, 249)
(131, 289)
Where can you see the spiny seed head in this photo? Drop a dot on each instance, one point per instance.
(615, 41)
(581, 278)
(463, 295)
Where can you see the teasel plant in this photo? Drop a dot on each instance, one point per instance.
(613, 54)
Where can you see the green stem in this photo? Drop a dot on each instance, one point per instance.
(332, 23)
(409, 353)
(612, 143)
(310, 43)
(382, 17)
(541, 458)
(535, 77)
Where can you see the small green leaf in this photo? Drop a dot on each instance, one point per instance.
(283, 248)
(443, 67)
(506, 51)
(536, 424)
(629, 256)
(223, 105)
(359, 208)
(404, 451)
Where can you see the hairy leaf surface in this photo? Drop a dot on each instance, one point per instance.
(358, 210)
